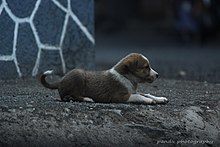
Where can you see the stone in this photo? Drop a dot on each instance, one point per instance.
(116, 111)
(4, 107)
(67, 110)
(12, 110)
(31, 109)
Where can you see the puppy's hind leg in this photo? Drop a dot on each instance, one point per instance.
(66, 98)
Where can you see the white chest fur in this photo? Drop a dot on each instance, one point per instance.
(124, 81)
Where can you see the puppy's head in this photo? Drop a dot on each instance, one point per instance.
(138, 66)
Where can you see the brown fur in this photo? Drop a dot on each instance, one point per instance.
(102, 86)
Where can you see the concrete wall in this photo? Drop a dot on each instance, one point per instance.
(37, 35)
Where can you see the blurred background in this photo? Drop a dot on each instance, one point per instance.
(181, 38)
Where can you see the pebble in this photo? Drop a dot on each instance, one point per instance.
(70, 136)
(117, 112)
(151, 109)
(30, 109)
(90, 122)
(34, 120)
(4, 107)
(67, 110)
(74, 122)
(65, 114)
(210, 111)
(203, 102)
(177, 133)
(182, 73)
(12, 110)
(29, 105)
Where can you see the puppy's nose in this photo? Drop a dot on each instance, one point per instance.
(157, 75)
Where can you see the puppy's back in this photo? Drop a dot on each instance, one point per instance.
(103, 87)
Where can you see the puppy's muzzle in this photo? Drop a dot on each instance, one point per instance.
(153, 73)
(157, 75)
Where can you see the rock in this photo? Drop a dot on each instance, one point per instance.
(12, 110)
(29, 105)
(182, 73)
(194, 121)
(70, 136)
(4, 107)
(118, 112)
(64, 114)
(67, 110)
(30, 109)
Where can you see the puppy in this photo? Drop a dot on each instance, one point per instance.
(117, 85)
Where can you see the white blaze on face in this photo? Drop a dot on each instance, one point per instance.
(145, 58)
(153, 73)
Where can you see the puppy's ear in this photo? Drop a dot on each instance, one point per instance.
(124, 67)
(133, 65)
(137, 64)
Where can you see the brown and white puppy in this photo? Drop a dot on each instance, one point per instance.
(116, 85)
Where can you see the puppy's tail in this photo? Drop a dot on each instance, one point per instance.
(45, 83)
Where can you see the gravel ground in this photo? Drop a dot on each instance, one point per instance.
(30, 116)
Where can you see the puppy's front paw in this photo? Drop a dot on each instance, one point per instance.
(162, 100)
(150, 102)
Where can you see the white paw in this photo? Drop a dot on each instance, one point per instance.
(162, 100)
(153, 102)
(86, 99)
